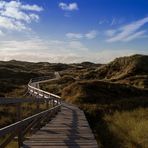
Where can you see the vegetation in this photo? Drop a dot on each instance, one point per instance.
(113, 96)
(131, 70)
(130, 127)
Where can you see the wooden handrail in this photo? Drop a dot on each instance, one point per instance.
(6, 101)
(24, 124)
(10, 128)
(42, 91)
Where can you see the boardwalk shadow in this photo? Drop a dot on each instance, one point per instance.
(73, 136)
(72, 131)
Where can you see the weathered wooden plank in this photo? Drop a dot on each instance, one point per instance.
(71, 132)
(62, 146)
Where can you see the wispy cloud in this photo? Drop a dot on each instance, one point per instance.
(103, 21)
(135, 35)
(111, 21)
(56, 51)
(129, 32)
(68, 7)
(74, 35)
(36, 44)
(90, 35)
(110, 32)
(116, 21)
(14, 15)
(1, 33)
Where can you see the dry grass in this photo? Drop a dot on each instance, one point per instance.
(8, 112)
(130, 127)
(111, 108)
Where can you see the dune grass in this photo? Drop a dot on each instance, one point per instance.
(130, 127)
(8, 113)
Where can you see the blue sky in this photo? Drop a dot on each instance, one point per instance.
(70, 31)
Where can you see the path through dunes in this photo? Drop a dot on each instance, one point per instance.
(69, 128)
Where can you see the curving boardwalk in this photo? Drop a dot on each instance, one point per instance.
(69, 129)
(65, 125)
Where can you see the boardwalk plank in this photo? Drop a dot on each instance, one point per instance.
(69, 129)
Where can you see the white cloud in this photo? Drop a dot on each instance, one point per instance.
(32, 7)
(74, 35)
(57, 51)
(37, 49)
(52, 50)
(68, 7)
(11, 24)
(129, 32)
(90, 35)
(36, 44)
(135, 36)
(34, 17)
(110, 32)
(1, 33)
(15, 15)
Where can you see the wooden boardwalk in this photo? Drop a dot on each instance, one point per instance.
(68, 126)
(70, 129)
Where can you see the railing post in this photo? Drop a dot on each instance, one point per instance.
(37, 105)
(47, 104)
(37, 111)
(19, 117)
(53, 102)
(57, 101)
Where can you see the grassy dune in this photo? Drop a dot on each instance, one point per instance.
(114, 96)
(130, 127)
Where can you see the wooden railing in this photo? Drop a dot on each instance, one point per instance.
(23, 126)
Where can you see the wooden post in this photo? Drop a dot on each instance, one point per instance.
(37, 106)
(50, 102)
(37, 111)
(19, 117)
(57, 101)
(43, 95)
(47, 104)
(53, 102)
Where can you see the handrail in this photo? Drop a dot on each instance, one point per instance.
(42, 91)
(22, 126)
(6, 101)
(10, 128)
(38, 80)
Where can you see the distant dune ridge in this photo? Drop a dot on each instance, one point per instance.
(129, 70)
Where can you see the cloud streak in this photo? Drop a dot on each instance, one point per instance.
(74, 35)
(90, 35)
(129, 32)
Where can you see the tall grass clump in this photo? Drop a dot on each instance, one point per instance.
(129, 127)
